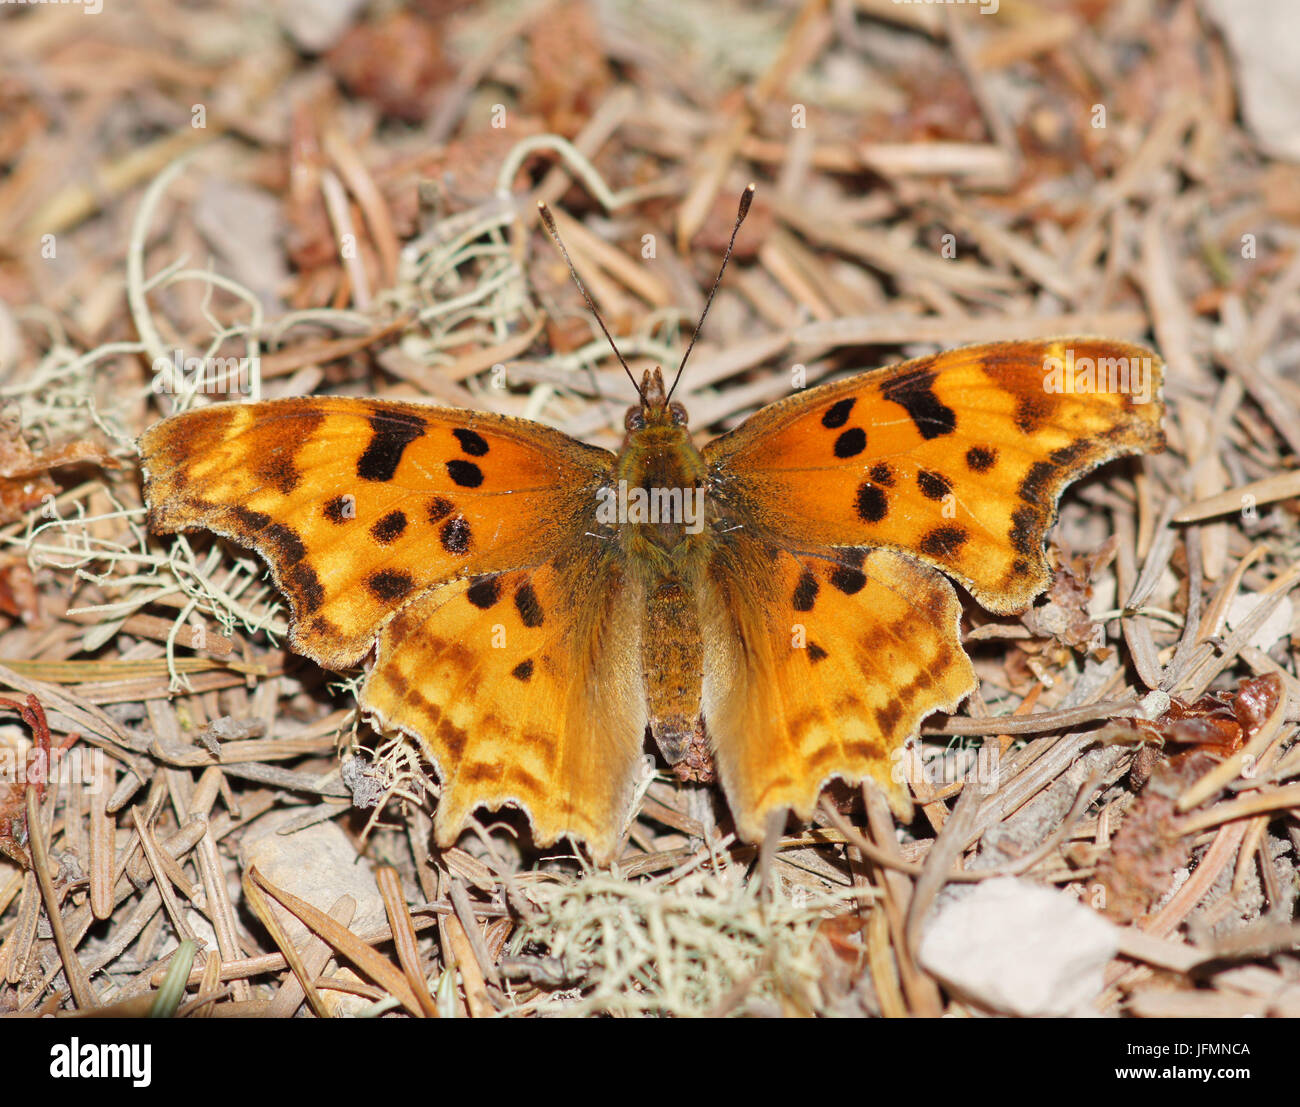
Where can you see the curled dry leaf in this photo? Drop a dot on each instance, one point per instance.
(1066, 615)
(18, 595)
(13, 793)
(24, 476)
(1149, 847)
(1221, 721)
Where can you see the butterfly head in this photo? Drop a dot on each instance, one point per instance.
(654, 409)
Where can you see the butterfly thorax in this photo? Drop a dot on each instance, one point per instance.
(659, 487)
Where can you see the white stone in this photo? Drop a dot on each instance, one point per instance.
(316, 25)
(319, 864)
(1154, 704)
(1263, 37)
(1018, 948)
(1272, 628)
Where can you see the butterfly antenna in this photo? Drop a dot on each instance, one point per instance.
(746, 198)
(549, 220)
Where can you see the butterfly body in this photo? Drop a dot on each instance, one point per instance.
(658, 487)
(527, 605)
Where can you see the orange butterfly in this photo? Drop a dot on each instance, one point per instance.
(527, 605)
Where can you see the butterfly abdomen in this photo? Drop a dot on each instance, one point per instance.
(658, 492)
(672, 658)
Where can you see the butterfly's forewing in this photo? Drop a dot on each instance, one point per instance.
(360, 505)
(957, 459)
(819, 668)
(507, 634)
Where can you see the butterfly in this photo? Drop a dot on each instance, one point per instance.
(526, 605)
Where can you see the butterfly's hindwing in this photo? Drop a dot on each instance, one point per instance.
(820, 668)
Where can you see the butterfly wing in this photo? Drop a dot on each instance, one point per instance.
(507, 633)
(525, 688)
(360, 505)
(957, 459)
(832, 507)
(819, 668)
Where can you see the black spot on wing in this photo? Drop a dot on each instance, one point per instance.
(847, 580)
(1037, 486)
(341, 509)
(805, 592)
(321, 628)
(390, 585)
(523, 671)
(530, 611)
(914, 393)
(872, 505)
(1025, 521)
(816, 653)
(389, 528)
(981, 458)
(274, 464)
(484, 593)
(305, 586)
(283, 544)
(1032, 410)
(838, 413)
(882, 474)
(278, 470)
(944, 541)
(1067, 456)
(933, 486)
(464, 473)
(250, 520)
(439, 508)
(851, 443)
(455, 535)
(391, 433)
(471, 442)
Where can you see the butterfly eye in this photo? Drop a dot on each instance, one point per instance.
(678, 414)
(634, 420)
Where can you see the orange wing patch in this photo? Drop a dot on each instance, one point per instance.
(524, 688)
(819, 669)
(358, 506)
(957, 459)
